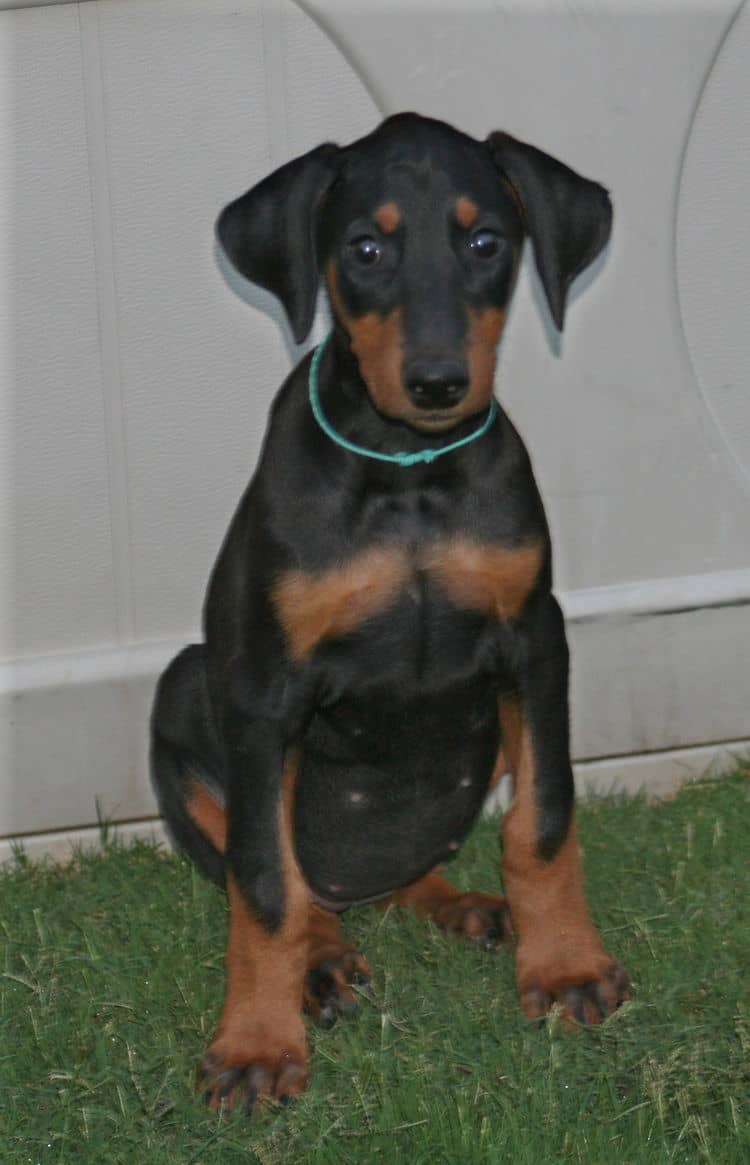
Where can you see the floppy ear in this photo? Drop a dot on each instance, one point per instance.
(269, 233)
(568, 217)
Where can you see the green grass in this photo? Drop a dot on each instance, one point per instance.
(111, 980)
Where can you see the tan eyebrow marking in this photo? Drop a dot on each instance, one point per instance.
(466, 211)
(387, 217)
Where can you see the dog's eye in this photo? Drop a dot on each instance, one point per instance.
(366, 250)
(485, 243)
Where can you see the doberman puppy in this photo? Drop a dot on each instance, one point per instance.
(380, 633)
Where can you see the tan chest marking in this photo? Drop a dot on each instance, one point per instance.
(314, 607)
(493, 579)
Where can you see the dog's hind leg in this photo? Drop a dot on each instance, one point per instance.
(483, 918)
(186, 767)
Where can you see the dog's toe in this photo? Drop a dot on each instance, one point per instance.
(328, 992)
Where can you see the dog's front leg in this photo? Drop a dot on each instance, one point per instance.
(560, 957)
(259, 1048)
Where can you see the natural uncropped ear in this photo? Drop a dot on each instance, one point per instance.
(269, 233)
(567, 217)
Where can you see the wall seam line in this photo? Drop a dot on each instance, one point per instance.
(107, 302)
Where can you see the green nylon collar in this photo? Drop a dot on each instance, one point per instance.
(405, 459)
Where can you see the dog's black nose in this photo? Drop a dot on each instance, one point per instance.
(436, 384)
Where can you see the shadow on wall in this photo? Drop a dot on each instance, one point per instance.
(257, 299)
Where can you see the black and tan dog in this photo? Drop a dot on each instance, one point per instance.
(379, 624)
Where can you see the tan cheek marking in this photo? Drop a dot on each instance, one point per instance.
(557, 943)
(485, 329)
(466, 211)
(314, 607)
(333, 289)
(387, 217)
(378, 344)
(492, 579)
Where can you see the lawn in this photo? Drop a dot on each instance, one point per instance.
(111, 979)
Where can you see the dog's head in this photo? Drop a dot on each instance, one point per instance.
(417, 229)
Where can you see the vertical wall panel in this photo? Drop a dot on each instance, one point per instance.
(56, 587)
(142, 368)
(186, 91)
(187, 128)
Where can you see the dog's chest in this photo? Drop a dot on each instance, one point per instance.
(413, 588)
(395, 767)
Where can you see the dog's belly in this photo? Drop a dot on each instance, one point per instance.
(385, 792)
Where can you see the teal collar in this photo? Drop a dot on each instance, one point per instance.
(423, 456)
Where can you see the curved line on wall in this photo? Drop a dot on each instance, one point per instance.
(309, 10)
(742, 472)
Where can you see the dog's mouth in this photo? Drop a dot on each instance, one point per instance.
(438, 422)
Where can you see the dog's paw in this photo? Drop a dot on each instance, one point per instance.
(242, 1081)
(482, 918)
(588, 1001)
(328, 992)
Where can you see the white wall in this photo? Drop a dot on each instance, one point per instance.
(134, 381)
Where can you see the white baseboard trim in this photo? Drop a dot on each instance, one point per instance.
(657, 774)
(621, 600)
(657, 596)
(61, 845)
(656, 665)
(96, 665)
